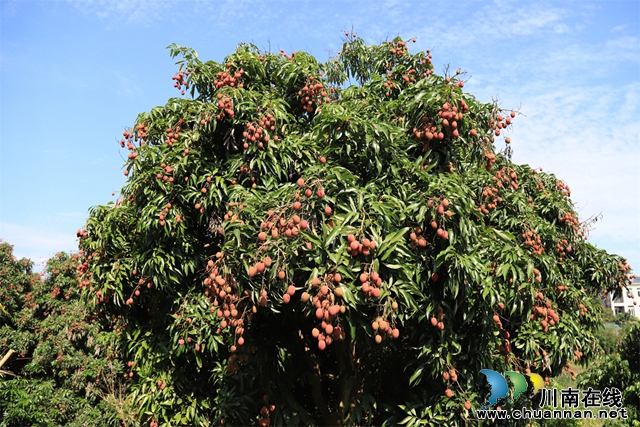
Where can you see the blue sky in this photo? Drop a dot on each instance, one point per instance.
(74, 74)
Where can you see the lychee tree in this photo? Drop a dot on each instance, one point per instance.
(338, 243)
(54, 372)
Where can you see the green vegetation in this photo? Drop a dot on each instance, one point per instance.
(620, 369)
(58, 375)
(294, 249)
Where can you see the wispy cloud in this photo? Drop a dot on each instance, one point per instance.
(126, 12)
(580, 94)
(36, 242)
(570, 132)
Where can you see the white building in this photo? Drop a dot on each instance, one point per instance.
(629, 301)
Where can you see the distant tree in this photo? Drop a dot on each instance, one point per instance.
(53, 377)
(624, 318)
(621, 369)
(607, 315)
(293, 249)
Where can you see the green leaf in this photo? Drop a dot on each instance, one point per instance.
(416, 377)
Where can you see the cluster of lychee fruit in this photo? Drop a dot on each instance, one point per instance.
(226, 105)
(200, 208)
(136, 291)
(161, 215)
(582, 309)
(141, 132)
(505, 347)
(291, 289)
(570, 219)
(450, 375)
(173, 133)
(543, 311)
(181, 82)
(313, 94)
(129, 138)
(203, 121)
(496, 317)
(260, 266)
(356, 248)
(382, 328)
(238, 356)
(235, 216)
(450, 117)
(327, 308)
(576, 356)
(276, 225)
(283, 54)
(389, 84)
(166, 176)
(245, 170)
(425, 132)
(230, 78)
(370, 283)
(308, 192)
(437, 318)
(490, 159)
(264, 417)
(399, 48)
(416, 238)
(222, 291)
(220, 287)
(257, 131)
(501, 122)
(532, 239)
(440, 210)
(562, 249)
(505, 177)
(563, 188)
(490, 199)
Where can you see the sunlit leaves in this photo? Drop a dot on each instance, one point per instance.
(361, 195)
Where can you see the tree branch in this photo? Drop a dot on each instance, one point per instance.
(6, 357)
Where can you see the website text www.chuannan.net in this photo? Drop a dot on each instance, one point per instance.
(551, 414)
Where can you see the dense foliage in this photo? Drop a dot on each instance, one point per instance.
(54, 377)
(294, 249)
(620, 369)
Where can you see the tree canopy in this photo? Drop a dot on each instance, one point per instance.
(55, 373)
(334, 243)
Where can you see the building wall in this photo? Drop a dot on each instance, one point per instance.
(628, 302)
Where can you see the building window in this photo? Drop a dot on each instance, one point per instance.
(618, 299)
(618, 310)
(631, 310)
(639, 292)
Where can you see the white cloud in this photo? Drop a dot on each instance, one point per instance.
(37, 242)
(561, 28)
(570, 132)
(582, 115)
(619, 28)
(622, 49)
